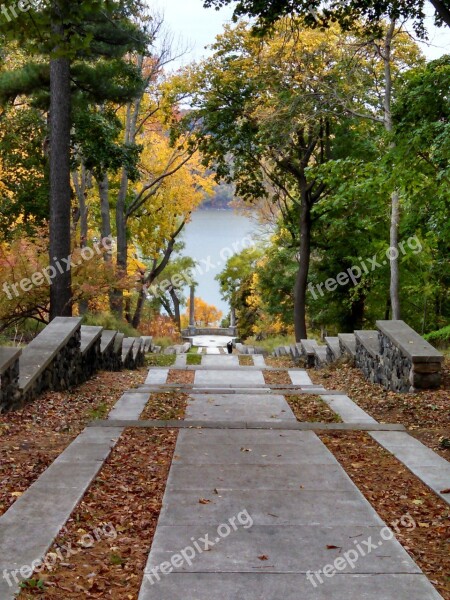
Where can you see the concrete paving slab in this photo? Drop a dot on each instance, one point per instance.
(303, 507)
(236, 377)
(254, 454)
(257, 477)
(180, 360)
(224, 360)
(98, 435)
(129, 406)
(300, 377)
(157, 376)
(347, 409)
(260, 586)
(291, 549)
(212, 351)
(85, 453)
(259, 361)
(7, 592)
(238, 407)
(247, 437)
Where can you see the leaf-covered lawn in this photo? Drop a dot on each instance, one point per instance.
(394, 491)
(312, 409)
(426, 414)
(245, 360)
(126, 495)
(179, 376)
(33, 437)
(280, 377)
(165, 406)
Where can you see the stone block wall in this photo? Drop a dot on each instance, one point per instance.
(9, 388)
(62, 373)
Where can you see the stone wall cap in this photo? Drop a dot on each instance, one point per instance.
(409, 341)
(8, 356)
(309, 346)
(108, 337)
(40, 352)
(118, 341)
(370, 340)
(89, 335)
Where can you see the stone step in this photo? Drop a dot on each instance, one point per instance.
(127, 352)
(334, 351)
(309, 350)
(9, 377)
(320, 357)
(90, 347)
(347, 343)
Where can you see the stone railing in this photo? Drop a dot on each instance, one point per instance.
(52, 361)
(368, 354)
(63, 355)
(91, 354)
(407, 361)
(9, 377)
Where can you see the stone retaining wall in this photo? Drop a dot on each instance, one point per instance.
(407, 361)
(9, 384)
(61, 374)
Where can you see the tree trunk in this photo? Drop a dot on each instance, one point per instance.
(395, 200)
(303, 270)
(122, 244)
(139, 306)
(105, 226)
(60, 191)
(176, 306)
(394, 261)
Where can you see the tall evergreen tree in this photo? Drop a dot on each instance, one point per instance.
(78, 50)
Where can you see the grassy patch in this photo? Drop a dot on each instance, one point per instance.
(194, 359)
(160, 360)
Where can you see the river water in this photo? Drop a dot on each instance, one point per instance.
(211, 238)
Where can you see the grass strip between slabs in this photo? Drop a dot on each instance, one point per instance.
(312, 409)
(394, 491)
(165, 406)
(280, 377)
(33, 437)
(280, 362)
(180, 377)
(160, 360)
(124, 501)
(245, 360)
(193, 359)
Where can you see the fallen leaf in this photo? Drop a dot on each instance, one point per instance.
(204, 501)
(263, 557)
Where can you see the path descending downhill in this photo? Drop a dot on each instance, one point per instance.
(262, 514)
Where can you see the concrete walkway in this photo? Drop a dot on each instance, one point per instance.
(267, 514)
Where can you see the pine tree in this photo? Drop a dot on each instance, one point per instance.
(78, 51)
